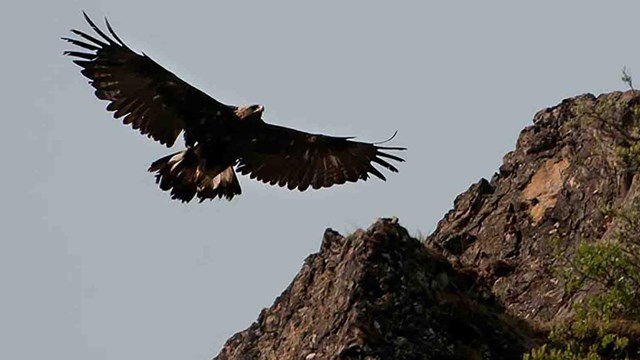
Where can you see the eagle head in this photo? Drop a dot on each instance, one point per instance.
(250, 112)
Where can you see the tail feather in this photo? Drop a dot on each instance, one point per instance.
(225, 184)
(186, 176)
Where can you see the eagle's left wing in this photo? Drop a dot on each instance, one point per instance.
(148, 96)
(284, 156)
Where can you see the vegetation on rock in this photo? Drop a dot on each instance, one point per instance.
(604, 275)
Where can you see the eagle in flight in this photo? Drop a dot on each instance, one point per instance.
(218, 137)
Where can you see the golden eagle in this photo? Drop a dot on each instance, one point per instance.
(218, 137)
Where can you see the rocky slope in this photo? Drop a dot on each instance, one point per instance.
(379, 294)
(557, 183)
(486, 273)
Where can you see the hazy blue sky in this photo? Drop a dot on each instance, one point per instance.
(97, 263)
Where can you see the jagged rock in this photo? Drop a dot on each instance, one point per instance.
(380, 294)
(555, 184)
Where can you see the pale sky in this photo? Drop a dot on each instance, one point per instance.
(97, 263)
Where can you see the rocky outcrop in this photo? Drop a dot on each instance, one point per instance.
(556, 184)
(380, 294)
(472, 289)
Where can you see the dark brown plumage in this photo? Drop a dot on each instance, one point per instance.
(218, 137)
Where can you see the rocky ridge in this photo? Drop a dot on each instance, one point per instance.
(477, 286)
(379, 294)
(557, 183)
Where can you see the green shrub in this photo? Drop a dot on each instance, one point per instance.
(606, 277)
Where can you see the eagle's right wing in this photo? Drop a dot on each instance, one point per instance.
(151, 98)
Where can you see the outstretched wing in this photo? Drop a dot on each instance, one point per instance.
(149, 97)
(284, 156)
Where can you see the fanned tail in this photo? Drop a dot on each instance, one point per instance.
(186, 176)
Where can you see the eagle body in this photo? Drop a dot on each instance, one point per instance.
(221, 140)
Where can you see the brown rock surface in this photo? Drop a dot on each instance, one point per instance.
(555, 184)
(379, 294)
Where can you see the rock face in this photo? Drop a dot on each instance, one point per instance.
(379, 294)
(556, 184)
(469, 289)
